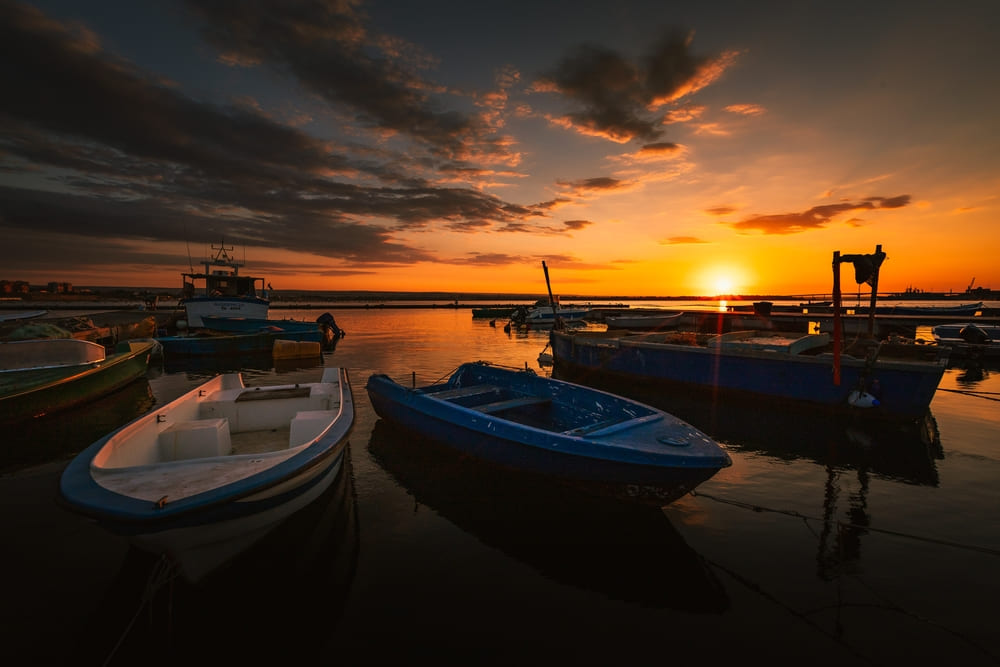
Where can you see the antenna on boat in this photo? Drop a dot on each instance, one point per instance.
(552, 301)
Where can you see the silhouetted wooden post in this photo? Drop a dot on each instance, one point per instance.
(836, 318)
(871, 306)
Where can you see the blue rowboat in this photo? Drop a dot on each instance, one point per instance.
(519, 419)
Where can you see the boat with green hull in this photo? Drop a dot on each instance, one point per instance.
(45, 375)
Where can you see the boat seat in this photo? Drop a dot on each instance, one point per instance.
(498, 406)
(308, 424)
(196, 439)
(473, 390)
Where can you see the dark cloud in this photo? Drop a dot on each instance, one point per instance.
(328, 48)
(598, 183)
(659, 148)
(816, 217)
(619, 98)
(117, 152)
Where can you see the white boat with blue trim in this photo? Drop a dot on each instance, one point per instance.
(206, 476)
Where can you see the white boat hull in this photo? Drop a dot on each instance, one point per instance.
(200, 550)
(197, 308)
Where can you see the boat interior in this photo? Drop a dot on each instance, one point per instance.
(568, 417)
(225, 422)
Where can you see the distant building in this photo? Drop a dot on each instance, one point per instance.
(60, 288)
(14, 287)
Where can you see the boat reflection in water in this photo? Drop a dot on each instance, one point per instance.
(852, 455)
(264, 362)
(54, 437)
(254, 611)
(624, 550)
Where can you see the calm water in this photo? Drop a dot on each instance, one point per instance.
(825, 543)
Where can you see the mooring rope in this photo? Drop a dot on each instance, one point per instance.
(796, 514)
(988, 395)
(164, 571)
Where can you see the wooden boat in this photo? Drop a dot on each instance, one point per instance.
(45, 375)
(205, 343)
(642, 321)
(876, 379)
(519, 419)
(207, 475)
(219, 289)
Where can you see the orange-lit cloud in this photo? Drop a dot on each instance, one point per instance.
(682, 240)
(618, 98)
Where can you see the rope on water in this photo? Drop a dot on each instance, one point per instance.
(886, 603)
(164, 571)
(843, 524)
(988, 395)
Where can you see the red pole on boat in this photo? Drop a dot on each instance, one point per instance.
(836, 317)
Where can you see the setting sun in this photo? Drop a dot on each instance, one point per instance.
(723, 285)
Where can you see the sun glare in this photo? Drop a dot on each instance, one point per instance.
(723, 285)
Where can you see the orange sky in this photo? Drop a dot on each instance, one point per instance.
(642, 149)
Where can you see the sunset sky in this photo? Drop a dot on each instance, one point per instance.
(638, 148)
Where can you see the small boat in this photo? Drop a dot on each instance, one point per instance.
(969, 309)
(492, 312)
(969, 340)
(202, 478)
(966, 332)
(325, 323)
(220, 290)
(543, 315)
(519, 419)
(45, 375)
(645, 321)
(206, 343)
(22, 315)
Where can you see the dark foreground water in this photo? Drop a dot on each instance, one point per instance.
(825, 543)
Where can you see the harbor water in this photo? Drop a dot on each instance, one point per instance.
(827, 542)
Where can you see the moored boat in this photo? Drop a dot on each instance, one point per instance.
(221, 290)
(207, 344)
(204, 477)
(643, 321)
(519, 419)
(969, 341)
(878, 380)
(46, 375)
(325, 323)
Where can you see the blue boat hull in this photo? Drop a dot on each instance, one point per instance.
(538, 442)
(904, 389)
(248, 343)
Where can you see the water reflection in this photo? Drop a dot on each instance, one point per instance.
(624, 550)
(264, 362)
(254, 611)
(62, 435)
